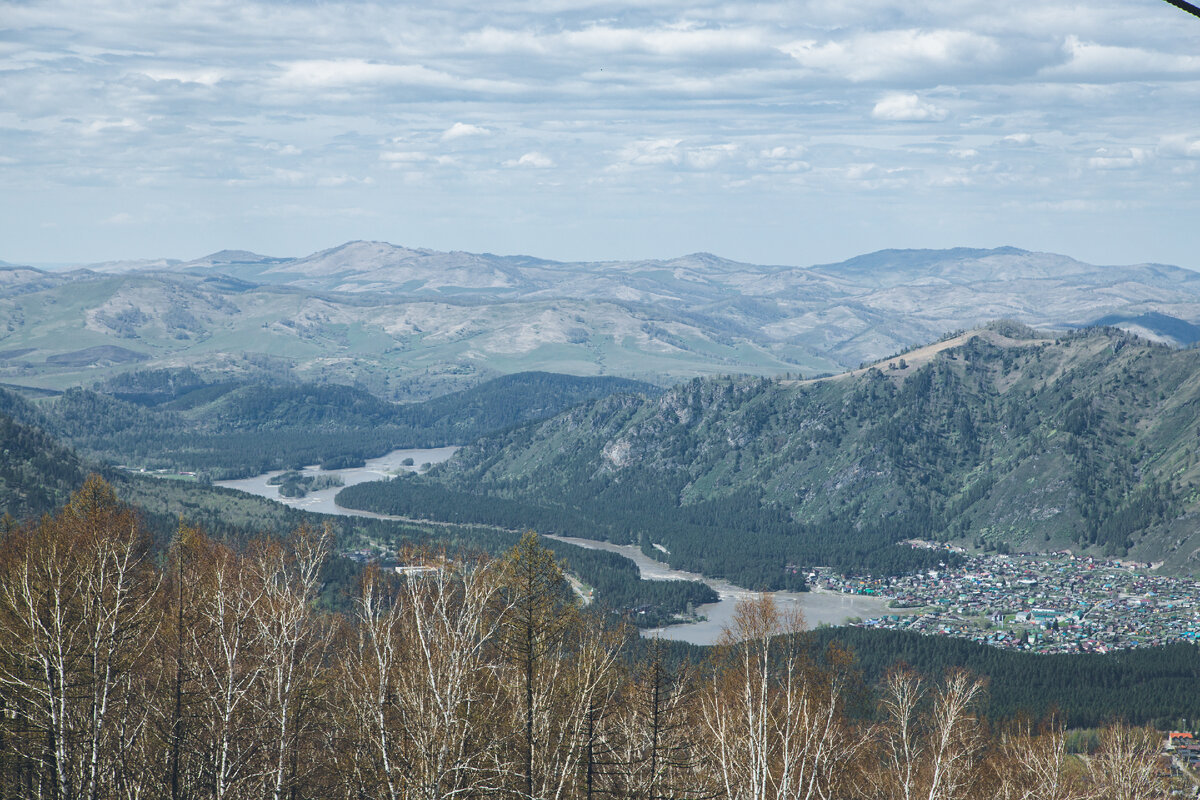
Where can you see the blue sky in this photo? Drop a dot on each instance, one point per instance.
(791, 132)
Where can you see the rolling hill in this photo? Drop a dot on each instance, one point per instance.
(409, 323)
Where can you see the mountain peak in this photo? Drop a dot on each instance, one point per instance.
(230, 257)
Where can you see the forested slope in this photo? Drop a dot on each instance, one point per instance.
(1011, 439)
(38, 474)
(176, 419)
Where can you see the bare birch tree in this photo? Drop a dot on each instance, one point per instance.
(285, 626)
(929, 751)
(228, 670)
(1033, 764)
(1128, 766)
(449, 690)
(76, 618)
(775, 722)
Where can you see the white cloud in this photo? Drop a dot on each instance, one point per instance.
(907, 108)
(354, 72)
(722, 113)
(710, 156)
(950, 180)
(892, 55)
(600, 39)
(204, 77)
(784, 152)
(344, 180)
(460, 129)
(1178, 146)
(1126, 159)
(398, 159)
(1100, 62)
(102, 125)
(533, 159)
(403, 156)
(1018, 140)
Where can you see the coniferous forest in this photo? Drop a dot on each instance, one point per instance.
(199, 670)
(1010, 438)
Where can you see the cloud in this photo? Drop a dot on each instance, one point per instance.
(783, 151)
(914, 54)
(1106, 62)
(1179, 146)
(1128, 159)
(1018, 140)
(398, 159)
(710, 156)
(403, 156)
(343, 180)
(600, 39)
(353, 72)
(907, 108)
(651, 152)
(461, 129)
(205, 77)
(534, 159)
(102, 125)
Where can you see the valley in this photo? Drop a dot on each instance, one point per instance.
(584, 464)
(983, 442)
(321, 501)
(819, 608)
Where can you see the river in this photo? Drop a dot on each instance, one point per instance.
(321, 502)
(819, 606)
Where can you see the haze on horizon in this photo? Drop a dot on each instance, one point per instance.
(786, 133)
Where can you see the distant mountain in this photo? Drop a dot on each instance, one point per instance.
(232, 260)
(999, 438)
(1153, 325)
(409, 323)
(135, 265)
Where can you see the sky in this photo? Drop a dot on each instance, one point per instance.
(795, 132)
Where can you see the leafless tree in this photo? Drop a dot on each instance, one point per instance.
(76, 618)
(775, 722)
(1128, 765)
(932, 753)
(286, 631)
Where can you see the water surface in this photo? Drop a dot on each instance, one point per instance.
(321, 502)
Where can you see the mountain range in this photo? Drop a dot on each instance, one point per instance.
(1003, 437)
(409, 323)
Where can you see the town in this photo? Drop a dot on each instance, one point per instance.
(1045, 603)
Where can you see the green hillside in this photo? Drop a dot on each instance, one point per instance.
(1004, 438)
(37, 474)
(175, 419)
